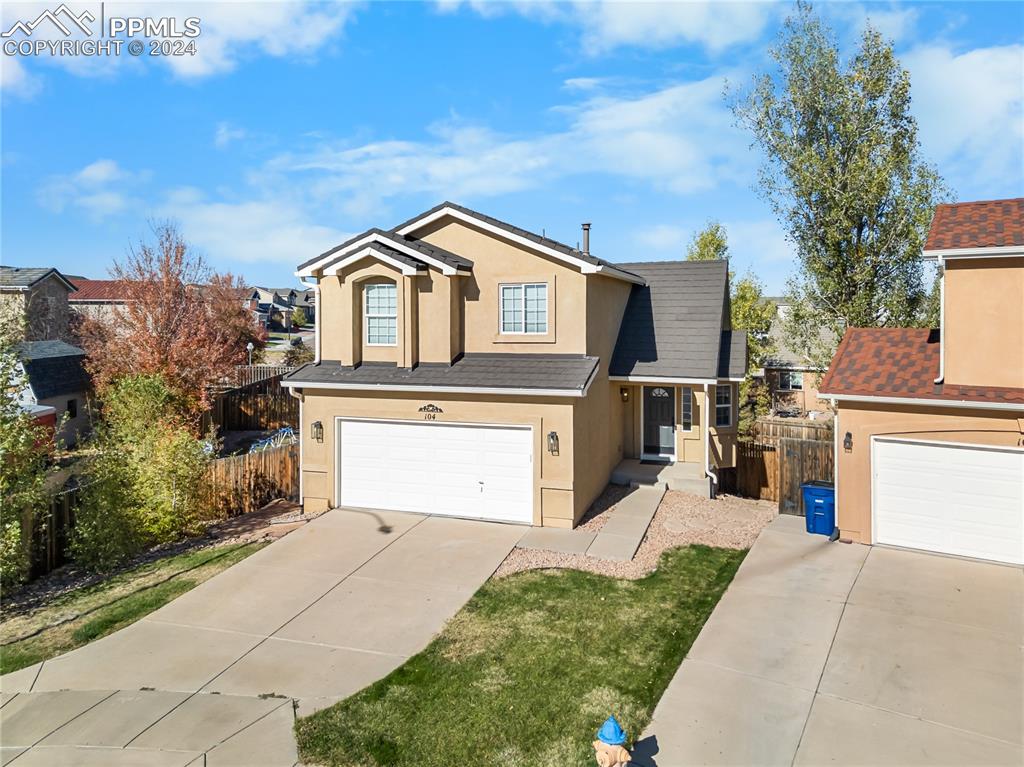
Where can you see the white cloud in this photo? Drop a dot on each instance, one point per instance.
(970, 111)
(100, 189)
(226, 134)
(663, 238)
(15, 80)
(758, 242)
(894, 22)
(274, 230)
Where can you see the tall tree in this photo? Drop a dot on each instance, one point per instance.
(181, 321)
(710, 243)
(844, 173)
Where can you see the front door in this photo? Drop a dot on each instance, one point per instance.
(659, 422)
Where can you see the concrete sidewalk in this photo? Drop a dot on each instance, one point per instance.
(827, 653)
(217, 676)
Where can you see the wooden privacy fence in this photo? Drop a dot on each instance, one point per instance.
(774, 429)
(247, 374)
(51, 533)
(244, 483)
(260, 405)
(774, 472)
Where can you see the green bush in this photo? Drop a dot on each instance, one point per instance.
(108, 520)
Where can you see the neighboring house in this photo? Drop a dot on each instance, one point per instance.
(102, 300)
(274, 306)
(56, 376)
(468, 367)
(930, 425)
(306, 300)
(41, 296)
(791, 378)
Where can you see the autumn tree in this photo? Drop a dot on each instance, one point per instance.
(181, 321)
(844, 173)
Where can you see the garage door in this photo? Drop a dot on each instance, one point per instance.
(484, 472)
(948, 498)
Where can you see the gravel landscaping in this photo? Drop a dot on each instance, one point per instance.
(682, 519)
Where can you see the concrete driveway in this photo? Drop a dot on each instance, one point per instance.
(838, 654)
(216, 677)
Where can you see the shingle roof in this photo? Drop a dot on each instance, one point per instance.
(54, 368)
(431, 251)
(512, 229)
(732, 354)
(98, 290)
(490, 371)
(672, 327)
(982, 224)
(19, 277)
(900, 362)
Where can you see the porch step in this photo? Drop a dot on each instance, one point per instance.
(701, 487)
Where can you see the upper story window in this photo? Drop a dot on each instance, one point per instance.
(723, 405)
(791, 380)
(524, 308)
(381, 314)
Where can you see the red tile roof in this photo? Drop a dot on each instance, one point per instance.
(900, 362)
(98, 290)
(988, 223)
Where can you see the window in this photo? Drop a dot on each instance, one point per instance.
(524, 308)
(687, 408)
(723, 405)
(72, 408)
(791, 380)
(381, 314)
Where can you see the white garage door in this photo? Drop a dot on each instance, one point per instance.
(953, 499)
(484, 472)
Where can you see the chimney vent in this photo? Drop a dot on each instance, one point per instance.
(586, 239)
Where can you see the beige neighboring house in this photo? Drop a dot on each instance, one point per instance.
(102, 300)
(930, 424)
(791, 378)
(40, 294)
(467, 367)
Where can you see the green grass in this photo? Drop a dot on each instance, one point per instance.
(111, 604)
(528, 670)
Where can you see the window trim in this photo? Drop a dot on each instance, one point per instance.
(522, 309)
(719, 405)
(686, 408)
(377, 315)
(787, 374)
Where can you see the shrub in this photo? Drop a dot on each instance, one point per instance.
(108, 528)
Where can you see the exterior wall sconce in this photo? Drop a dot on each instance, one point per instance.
(317, 431)
(624, 393)
(848, 442)
(553, 442)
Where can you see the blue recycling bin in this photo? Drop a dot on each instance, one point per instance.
(819, 507)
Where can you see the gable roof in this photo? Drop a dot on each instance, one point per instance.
(525, 237)
(23, 278)
(53, 368)
(672, 326)
(98, 290)
(422, 252)
(972, 226)
(901, 363)
(732, 354)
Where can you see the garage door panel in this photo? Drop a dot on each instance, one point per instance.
(950, 498)
(462, 470)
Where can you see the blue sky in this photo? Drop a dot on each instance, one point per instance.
(298, 124)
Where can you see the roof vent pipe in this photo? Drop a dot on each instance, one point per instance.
(586, 239)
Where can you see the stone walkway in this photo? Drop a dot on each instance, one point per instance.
(218, 676)
(617, 540)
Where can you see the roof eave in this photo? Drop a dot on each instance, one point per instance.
(988, 251)
(923, 401)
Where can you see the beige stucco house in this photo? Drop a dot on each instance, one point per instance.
(465, 366)
(930, 424)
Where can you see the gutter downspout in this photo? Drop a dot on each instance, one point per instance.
(297, 393)
(835, 470)
(316, 319)
(942, 320)
(707, 442)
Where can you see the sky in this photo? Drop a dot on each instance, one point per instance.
(296, 125)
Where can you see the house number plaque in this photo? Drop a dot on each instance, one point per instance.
(430, 412)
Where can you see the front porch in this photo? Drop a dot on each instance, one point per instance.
(688, 477)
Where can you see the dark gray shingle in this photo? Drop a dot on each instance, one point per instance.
(732, 354)
(432, 251)
(54, 368)
(490, 371)
(25, 277)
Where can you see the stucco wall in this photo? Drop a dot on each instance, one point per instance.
(554, 504)
(984, 322)
(45, 308)
(805, 399)
(862, 421)
(72, 429)
(341, 325)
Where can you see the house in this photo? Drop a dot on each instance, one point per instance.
(274, 306)
(930, 424)
(56, 378)
(102, 300)
(465, 366)
(40, 295)
(792, 378)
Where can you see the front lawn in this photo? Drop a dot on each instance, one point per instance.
(110, 605)
(529, 669)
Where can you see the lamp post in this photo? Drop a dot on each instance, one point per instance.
(249, 347)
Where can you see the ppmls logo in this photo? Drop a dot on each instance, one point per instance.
(166, 36)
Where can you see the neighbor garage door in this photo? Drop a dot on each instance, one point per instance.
(953, 499)
(484, 472)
